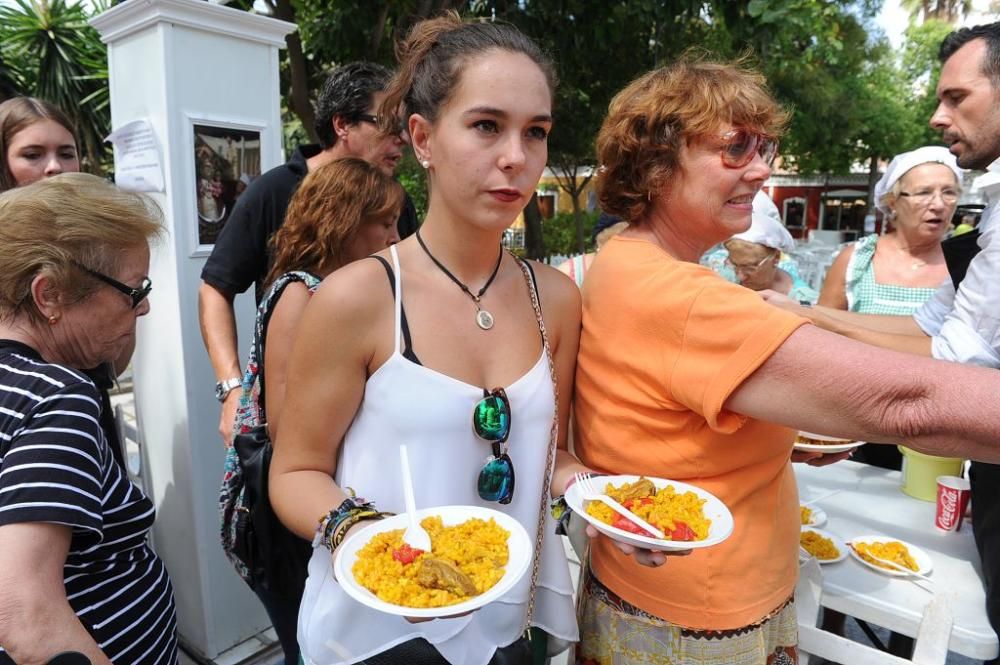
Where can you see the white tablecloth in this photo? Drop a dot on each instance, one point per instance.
(869, 501)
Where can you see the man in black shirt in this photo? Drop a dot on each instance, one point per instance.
(346, 124)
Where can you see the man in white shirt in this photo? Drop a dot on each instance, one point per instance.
(961, 323)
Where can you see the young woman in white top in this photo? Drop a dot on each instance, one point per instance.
(379, 362)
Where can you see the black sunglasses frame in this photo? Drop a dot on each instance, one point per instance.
(398, 129)
(137, 295)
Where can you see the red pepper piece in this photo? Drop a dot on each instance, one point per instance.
(682, 532)
(406, 554)
(625, 524)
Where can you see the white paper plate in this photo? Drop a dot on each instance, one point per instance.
(841, 446)
(519, 546)
(818, 516)
(837, 542)
(715, 510)
(921, 557)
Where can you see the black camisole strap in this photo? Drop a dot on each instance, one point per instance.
(407, 344)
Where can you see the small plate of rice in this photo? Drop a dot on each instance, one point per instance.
(823, 545)
(867, 548)
(812, 515)
(477, 556)
(689, 516)
(821, 443)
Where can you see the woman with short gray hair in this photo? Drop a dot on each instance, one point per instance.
(76, 572)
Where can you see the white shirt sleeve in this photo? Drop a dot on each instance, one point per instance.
(932, 313)
(969, 330)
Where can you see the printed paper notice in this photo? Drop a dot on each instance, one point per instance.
(137, 157)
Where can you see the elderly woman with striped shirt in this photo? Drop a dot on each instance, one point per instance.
(76, 573)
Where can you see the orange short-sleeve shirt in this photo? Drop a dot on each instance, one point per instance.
(664, 345)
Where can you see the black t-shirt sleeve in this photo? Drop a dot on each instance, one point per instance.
(239, 257)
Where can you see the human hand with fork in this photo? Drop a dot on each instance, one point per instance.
(642, 556)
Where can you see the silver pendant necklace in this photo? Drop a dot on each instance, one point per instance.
(483, 318)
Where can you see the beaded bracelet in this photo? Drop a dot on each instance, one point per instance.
(328, 523)
(339, 533)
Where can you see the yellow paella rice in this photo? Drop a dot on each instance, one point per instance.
(465, 560)
(806, 514)
(680, 516)
(819, 546)
(892, 550)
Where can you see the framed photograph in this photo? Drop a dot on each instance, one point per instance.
(226, 161)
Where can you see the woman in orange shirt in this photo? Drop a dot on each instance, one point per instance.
(686, 376)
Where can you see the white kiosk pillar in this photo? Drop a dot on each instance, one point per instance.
(205, 77)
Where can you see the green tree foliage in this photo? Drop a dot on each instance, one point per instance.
(52, 53)
(560, 236)
(598, 47)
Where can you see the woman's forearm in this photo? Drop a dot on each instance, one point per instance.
(34, 627)
(567, 465)
(825, 383)
(302, 498)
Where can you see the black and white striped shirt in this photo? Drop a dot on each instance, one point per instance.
(56, 467)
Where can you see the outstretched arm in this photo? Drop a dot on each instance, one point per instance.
(898, 333)
(839, 386)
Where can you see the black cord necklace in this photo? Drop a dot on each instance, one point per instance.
(483, 318)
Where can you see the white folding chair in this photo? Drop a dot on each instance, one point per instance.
(931, 647)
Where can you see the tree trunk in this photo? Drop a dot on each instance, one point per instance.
(299, 71)
(378, 31)
(534, 244)
(578, 218)
(872, 180)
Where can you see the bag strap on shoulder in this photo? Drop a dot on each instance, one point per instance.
(264, 312)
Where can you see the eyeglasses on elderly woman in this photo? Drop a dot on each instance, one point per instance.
(748, 268)
(137, 295)
(740, 145)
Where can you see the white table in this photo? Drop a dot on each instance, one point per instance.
(869, 501)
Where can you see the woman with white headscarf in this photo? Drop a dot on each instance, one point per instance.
(897, 272)
(756, 258)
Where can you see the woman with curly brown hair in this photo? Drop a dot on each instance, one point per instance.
(342, 212)
(704, 379)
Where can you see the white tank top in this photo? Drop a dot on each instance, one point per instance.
(430, 411)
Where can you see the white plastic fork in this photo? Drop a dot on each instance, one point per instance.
(902, 569)
(415, 535)
(591, 493)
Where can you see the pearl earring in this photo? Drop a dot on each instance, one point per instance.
(53, 320)
(425, 163)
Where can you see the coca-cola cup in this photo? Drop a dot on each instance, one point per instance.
(952, 499)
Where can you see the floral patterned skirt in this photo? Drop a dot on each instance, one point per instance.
(614, 632)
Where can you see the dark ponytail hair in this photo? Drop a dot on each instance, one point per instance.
(432, 57)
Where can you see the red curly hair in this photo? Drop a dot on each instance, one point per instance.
(328, 209)
(639, 143)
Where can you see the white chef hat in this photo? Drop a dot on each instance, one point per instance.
(766, 227)
(905, 161)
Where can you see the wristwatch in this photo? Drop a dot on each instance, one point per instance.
(223, 388)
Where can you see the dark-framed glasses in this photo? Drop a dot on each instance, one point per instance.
(740, 145)
(924, 197)
(136, 295)
(491, 422)
(396, 128)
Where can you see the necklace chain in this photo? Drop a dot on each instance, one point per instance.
(475, 297)
(483, 318)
